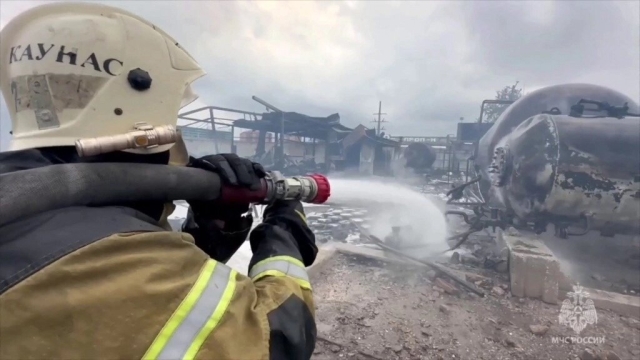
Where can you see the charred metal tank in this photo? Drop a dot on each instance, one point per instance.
(557, 99)
(567, 170)
(419, 156)
(567, 155)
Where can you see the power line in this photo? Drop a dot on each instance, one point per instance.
(380, 120)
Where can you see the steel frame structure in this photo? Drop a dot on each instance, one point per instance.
(212, 120)
(248, 117)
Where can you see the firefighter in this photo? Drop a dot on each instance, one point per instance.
(113, 282)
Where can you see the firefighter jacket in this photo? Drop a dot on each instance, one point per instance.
(113, 283)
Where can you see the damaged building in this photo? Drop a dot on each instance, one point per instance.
(291, 142)
(361, 151)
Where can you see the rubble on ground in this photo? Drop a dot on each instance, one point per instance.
(371, 309)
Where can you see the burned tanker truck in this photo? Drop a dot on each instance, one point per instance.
(567, 155)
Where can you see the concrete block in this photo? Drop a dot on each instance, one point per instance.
(564, 281)
(533, 270)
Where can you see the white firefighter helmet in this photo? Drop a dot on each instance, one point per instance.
(71, 71)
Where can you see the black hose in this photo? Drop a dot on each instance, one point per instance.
(28, 192)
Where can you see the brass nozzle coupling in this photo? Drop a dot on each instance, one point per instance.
(143, 136)
(311, 189)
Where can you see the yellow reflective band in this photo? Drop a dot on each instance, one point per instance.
(290, 259)
(214, 319)
(303, 283)
(304, 218)
(281, 266)
(181, 312)
(197, 316)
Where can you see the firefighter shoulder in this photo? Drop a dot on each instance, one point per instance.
(112, 282)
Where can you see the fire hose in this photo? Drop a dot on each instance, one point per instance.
(28, 192)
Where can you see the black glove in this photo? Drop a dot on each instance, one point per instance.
(220, 229)
(233, 170)
(288, 216)
(217, 243)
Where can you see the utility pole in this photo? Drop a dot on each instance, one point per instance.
(380, 119)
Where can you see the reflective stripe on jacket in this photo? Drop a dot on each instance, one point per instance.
(204, 306)
(197, 316)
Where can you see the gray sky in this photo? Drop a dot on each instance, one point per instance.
(429, 62)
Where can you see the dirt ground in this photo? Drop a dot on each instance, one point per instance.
(369, 309)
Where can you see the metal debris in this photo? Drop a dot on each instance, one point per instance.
(439, 269)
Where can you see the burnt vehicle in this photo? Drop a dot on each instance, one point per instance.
(567, 155)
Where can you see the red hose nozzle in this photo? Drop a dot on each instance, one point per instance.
(314, 189)
(323, 189)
